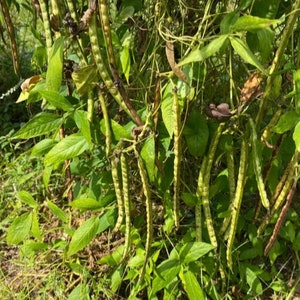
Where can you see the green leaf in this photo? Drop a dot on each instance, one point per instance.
(167, 109)
(57, 100)
(148, 156)
(253, 282)
(286, 122)
(82, 122)
(205, 52)
(85, 78)
(113, 258)
(35, 227)
(55, 65)
(265, 38)
(42, 147)
(192, 251)
(118, 130)
(243, 50)
(69, 147)
(81, 292)
(189, 199)
(265, 8)
(191, 286)
(250, 23)
(58, 212)
(166, 272)
(19, 230)
(26, 197)
(125, 55)
(228, 20)
(83, 235)
(106, 220)
(196, 133)
(86, 204)
(41, 124)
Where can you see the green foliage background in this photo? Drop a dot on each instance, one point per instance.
(153, 150)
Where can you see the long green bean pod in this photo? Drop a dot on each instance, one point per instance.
(46, 23)
(206, 183)
(283, 194)
(105, 22)
(149, 219)
(198, 212)
(108, 135)
(237, 200)
(118, 190)
(257, 167)
(126, 199)
(101, 65)
(177, 157)
(231, 181)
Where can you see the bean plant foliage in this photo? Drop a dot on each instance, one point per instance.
(162, 161)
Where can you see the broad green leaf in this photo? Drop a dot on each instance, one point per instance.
(243, 50)
(58, 212)
(205, 52)
(125, 55)
(113, 258)
(167, 109)
(80, 292)
(41, 124)
(148, 156)
(228, 20)
(253, 282)
(265, 9)
(166, 272)
(69, 147)
(19, 230)
(189, 199)
(57, 100)
(47, 174)
(117, 278)
(26, 197)
(191, 286)
(55, 65)
(118, 130)
(196, 133)
(82, 122)
(42, 147)
(85, 79)
(286, 122)
(192, 251)
(248, 23)
(83, 235)
(86, 204)
(30, 247)
(106, 220)
(265, 38)
(297, 90)
(35, 227)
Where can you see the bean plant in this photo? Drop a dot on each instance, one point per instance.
(166, 134)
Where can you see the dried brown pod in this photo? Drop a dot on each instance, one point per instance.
(251, 88)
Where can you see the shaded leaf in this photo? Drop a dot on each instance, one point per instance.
(286, 122)
(246, 54)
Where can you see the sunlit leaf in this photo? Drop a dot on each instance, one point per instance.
(55, 65)
(191, 285)
(83, 235)
(82, 122)
(148, 156)
(56, 99)
(248, 23)
(58, 212)
(41, 124)
(69, 147)
(27, 198)
(19, 230)
(205, 52)
(194, 250)
(286, 122)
